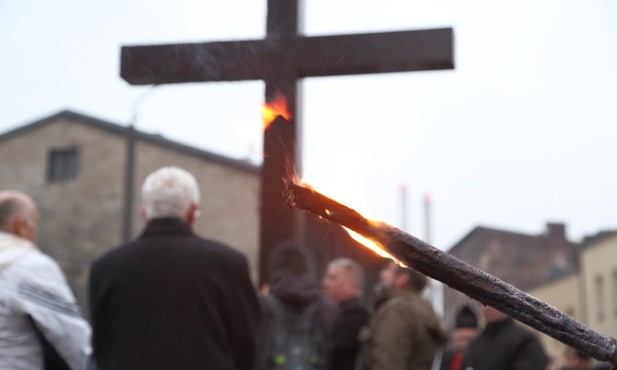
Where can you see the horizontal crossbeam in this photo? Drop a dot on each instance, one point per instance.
(308, 56)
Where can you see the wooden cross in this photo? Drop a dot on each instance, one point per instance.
(281, 59)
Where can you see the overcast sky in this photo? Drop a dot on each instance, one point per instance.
(522, 131)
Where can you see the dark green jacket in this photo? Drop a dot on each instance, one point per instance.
(403, 334)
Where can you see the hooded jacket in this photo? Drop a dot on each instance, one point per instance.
(295, 289)
(298, 291)
(34, 293)
(295, 292)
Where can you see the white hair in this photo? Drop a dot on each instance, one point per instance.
(169, 192)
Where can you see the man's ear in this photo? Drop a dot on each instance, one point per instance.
(192, 213)
(17, 226)
(144, 213)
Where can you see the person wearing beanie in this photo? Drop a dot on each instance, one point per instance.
(293, 292)
(465, 329)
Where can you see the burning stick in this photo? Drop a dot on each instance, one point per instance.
(459, 275)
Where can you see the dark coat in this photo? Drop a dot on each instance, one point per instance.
(171, 300)
(353, 315)
(505, 345)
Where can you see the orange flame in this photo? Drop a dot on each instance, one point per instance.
(373, 245)
(274, 108)
(370, 244)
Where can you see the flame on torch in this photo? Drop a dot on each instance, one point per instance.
(274, 108)
(372, 245)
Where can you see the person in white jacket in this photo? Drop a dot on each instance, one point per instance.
(37, 307)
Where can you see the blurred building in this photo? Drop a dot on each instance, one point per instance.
(598, 274)
(565, 294)
(76, 168)
(589, 294)
(519, 259)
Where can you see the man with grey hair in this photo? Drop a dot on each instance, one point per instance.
(343, 283)
(40, 322)
(172, 300)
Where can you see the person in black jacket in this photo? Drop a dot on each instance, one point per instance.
(343, 282)
(504, 345)
(172, 300)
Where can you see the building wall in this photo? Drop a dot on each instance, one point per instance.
(599, 274)
(565, 295)
(80, 217)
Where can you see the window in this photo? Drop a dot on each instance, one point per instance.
(600, 299)
(62, 164)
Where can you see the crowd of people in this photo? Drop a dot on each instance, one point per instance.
(174, 300)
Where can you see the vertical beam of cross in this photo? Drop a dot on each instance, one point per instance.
(280, 146)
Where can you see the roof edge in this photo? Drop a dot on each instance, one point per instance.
(125, 131)
(480, 228)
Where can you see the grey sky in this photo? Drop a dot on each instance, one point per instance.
(522, 131)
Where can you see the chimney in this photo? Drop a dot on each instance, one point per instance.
(428, 202)
(555, 231)
(561, 251)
